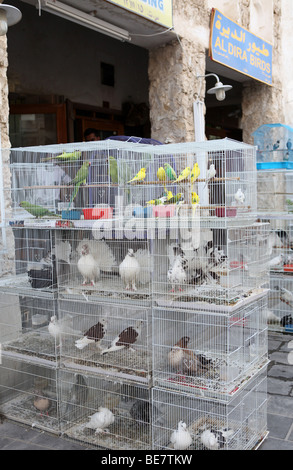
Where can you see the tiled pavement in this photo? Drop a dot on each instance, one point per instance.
(14, 436)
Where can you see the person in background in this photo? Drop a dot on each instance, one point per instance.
(90, 135)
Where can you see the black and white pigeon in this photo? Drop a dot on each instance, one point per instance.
(214, 439)
(93, 335)
(129, 270)
(125, 339)
(177, 275)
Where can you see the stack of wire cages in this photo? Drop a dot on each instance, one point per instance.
(104, 411)
(188, 422)
(275, 207)
(117, 251)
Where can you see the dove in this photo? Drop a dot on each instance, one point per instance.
(170, 172)
(183, 175)
(125, 339)
(80, 178)
(64, 157)
(211, 173)
(139, 177)
(239, 196)
(93, 335)
(181, 437)
(286, 296)
(41, 402)
(100, 420)
(129, 270)
(88, 266)
(37, 211)
(277, 261)
(214, 439)
(177, 272)
(176, 355)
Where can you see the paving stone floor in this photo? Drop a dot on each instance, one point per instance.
(14, 436)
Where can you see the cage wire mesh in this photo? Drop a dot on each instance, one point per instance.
(100, 411)
(117, 268)
(29, 393)
(24, 326)
(209, 353)
(211, 425)
(216, 266)
(108, 338)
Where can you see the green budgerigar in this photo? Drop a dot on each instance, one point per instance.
(170, 172)
(37, 211)
(113, 169)
(174, 199)
(80, 178)
(64, 157)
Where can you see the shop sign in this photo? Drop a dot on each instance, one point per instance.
(158, 11)
(235, 47)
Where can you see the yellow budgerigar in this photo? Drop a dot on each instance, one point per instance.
(183, 175)
(139, 177)
(161, 174)
(194, 198)
(195, 173)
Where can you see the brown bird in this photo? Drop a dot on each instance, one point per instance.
(125, 339)
(177, 353)
(41, 402)
(185, 360)
(93, 335)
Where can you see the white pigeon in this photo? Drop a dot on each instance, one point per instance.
(58, 327)
(214, 439)
(181, 437)
(271, 317)
(125, 339)
(277, 261)
(88, 266)
(177, 272)
(239, 196)
(211, 173)
(286, 296)
(100, 420)
(129, 270)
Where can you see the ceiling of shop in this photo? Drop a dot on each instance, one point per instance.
(143, 32)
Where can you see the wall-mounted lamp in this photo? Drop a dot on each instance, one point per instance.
(219, 89)
(9, 16)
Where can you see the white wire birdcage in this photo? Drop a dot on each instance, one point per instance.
(29, 393)
(107, 338)
(105, 412)
(240, 424)
(209, 352)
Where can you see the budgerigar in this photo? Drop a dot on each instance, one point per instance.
(170, 172)
(161, 174)
(37, 211)
(64, 157)
(183, 175)
(174, 199)
(194, 198)
(211, 173)
(80, 178)
(139, 177)
(113, 169)
(195, 173)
